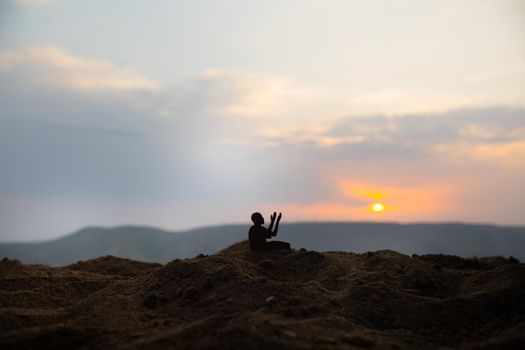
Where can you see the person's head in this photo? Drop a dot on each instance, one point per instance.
(257, 218)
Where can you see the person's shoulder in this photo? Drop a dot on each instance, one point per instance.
(256, 228)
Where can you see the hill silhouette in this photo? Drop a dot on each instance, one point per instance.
(296, 299)
(155, 245)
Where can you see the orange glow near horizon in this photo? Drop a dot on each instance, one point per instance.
(363, 201)
(402, 200)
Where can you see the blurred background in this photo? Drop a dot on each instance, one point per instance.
(181, 114)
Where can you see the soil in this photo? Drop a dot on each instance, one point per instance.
(270, 300)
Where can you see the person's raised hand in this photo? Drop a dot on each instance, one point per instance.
(272, 217)
(279, 217)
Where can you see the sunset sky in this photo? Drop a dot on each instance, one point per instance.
(180, 114)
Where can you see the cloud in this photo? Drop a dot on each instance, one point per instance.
(261, 98)
(420, 166)
(95, 130)
(52, 66)
(510, 154)
(310, 134)
(406, 135)
(252, 95)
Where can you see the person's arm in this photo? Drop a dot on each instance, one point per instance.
(274, 233)
(272, 221)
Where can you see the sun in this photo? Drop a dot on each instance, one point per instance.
(377, 207)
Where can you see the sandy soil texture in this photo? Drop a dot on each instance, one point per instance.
(274, 300)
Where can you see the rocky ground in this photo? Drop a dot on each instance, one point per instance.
(274, 300)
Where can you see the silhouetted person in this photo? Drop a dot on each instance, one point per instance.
(258, 234)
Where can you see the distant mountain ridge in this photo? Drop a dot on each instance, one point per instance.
(156, 245)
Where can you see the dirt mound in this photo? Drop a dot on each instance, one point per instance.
(282, 299)
(110, 265)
